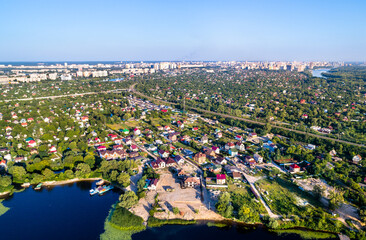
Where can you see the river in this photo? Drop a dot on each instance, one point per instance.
(318, 72)
(68, 212)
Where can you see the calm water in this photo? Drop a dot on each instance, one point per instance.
(64, 212)
(318, 72)
(201, 232)
(68, 212)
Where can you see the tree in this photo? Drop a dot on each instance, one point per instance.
(124, 179)
(335, 199)
(224, 206)
(318, 191)
(363, 215)
(273, 223)
(128, 199)
(175, 210)
(18, 173)
(5, 181)
(90, 160)
(69, 162)
(82, 170)
(48, 174)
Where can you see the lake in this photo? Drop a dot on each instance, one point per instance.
(68, 212)
(318, 72)
(63, 212)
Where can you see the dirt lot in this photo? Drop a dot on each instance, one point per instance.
(308, 185)
(188, 201)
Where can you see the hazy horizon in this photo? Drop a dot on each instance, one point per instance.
(233, 30)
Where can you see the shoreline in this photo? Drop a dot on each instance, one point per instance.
(3, 195)
(64, 182)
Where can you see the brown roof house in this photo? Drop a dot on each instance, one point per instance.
(200, 157)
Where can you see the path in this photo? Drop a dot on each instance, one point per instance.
(251, 181)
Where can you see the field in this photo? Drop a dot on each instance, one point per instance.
(279, 197)
(244, 196)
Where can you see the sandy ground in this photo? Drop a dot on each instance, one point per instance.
(187, 200)
(55, 183)
(346, 211)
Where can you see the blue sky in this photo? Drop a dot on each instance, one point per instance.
(34, 30)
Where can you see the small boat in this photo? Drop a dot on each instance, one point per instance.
(100, 182)
(38, 187)
(105, 189)
(93, 191)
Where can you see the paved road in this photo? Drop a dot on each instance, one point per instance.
(66, 95)
(248, 120)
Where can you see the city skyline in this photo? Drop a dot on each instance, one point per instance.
(41, 31)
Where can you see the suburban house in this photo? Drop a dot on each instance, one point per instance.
(32, 143)
(101, 148)
(294, 168)
(152, 184)
(3, 164)
(163, 154)
(220, 179)
(173, 137)
(204, 139)
(118, 146)
(158, 163)
(191, 182)
(134, 148)
(258, 158)
(239, 138)
(233, 152)
(216, 149)
(179, 159)
(53, 149)
(169, 162)
(113, 154)
(209, 152)
(356, 159)
(250, 160)
(218, 135)
(236, 175)
(240, 146)
(229, 146)
(134, 155)
(118, 140)
(181, 173)
(221, 160)
(333, 153)
(136, 132)
(127, 141)
(253, 135)
(200, 157)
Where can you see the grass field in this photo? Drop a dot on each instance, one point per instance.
(280, 199)
(244, 196)
(3, 209)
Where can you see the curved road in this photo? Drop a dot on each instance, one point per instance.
(132, 88)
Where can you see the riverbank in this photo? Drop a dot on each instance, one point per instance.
(64, 182)
(51, 184)
(4, 194)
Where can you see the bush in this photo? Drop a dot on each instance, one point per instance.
(175, 210)
(124, 220)
(155, 222)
